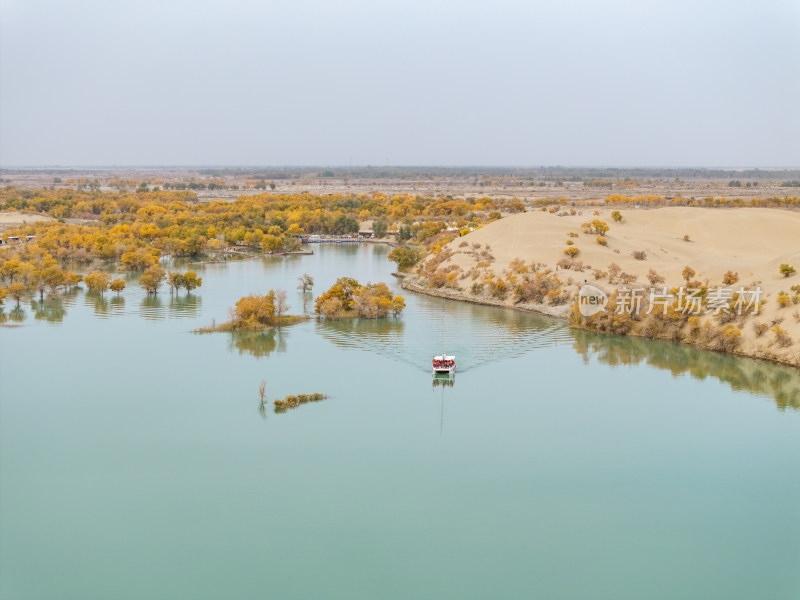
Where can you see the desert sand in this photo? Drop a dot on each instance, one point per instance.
(753, 242)
(13, 219)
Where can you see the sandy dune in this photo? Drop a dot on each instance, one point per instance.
(753, 242)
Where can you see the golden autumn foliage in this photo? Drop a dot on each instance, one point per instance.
(188, 280)
(257, 312)
(176, 224)
(595, 226)
(152, 278)
(730, 278)
(17, 290)
(97, 281)
(135, 228)
(347, 297)
(254, 311)
(117, 285)
(191, 281)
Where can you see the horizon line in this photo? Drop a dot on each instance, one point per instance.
(406, 166)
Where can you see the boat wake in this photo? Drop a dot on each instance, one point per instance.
(477, 337)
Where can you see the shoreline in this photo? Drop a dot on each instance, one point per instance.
(229, 327)
(386, 240)
(249, 256)
(413, 283)
(304, 252)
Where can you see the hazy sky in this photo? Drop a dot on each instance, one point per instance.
(237, 82)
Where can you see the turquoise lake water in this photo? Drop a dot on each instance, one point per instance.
(136, 461)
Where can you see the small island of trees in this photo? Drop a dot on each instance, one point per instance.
(348, 298)
(256, 312)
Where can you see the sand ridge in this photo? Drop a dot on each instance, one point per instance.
(751, 241)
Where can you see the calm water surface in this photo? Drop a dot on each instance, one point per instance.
(135, 461)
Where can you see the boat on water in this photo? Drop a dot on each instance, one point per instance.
(444, 364)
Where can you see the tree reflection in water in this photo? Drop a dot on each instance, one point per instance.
(382, 326)
(379, 335)
(51, 310)
(155, 307)
(15, 315)
(152, 307)
(258, 343)
(780, 382)
(70, 296)
(184, 306)
(98, 302)
(117, 304)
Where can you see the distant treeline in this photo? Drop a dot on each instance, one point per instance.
(539, 173)
(591, 175)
